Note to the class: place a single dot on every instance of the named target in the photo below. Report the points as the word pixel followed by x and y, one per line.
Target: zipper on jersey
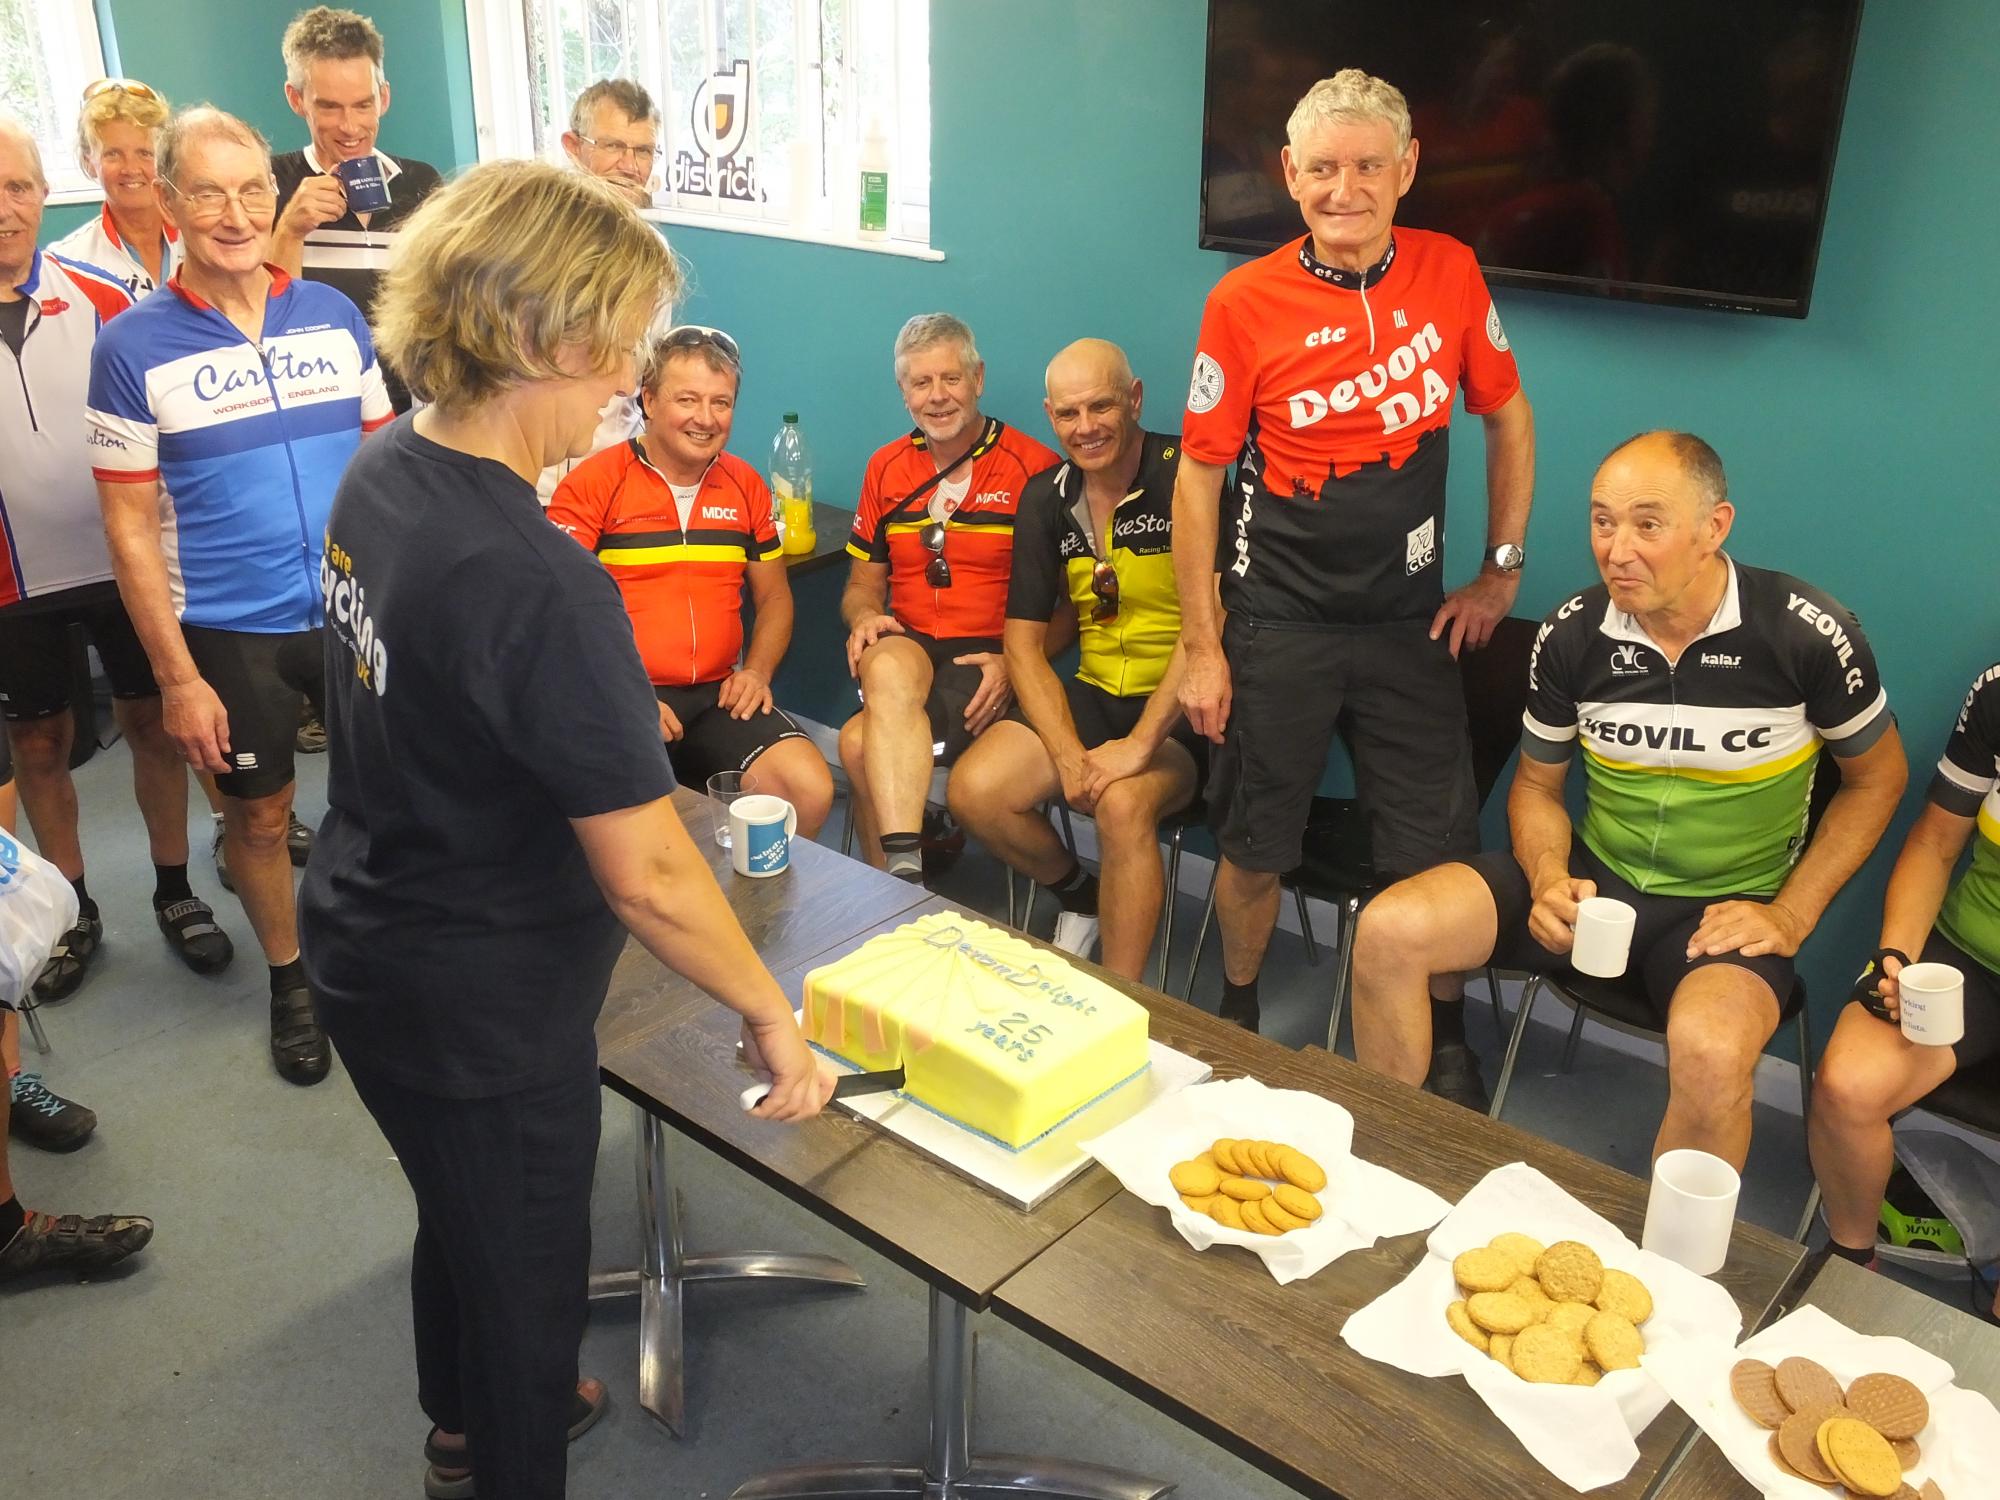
pixel 1369 311
pixel 21 362
pixel 1667 789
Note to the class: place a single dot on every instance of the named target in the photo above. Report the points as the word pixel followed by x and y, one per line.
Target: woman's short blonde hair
pixel 502 270
pixel 115 106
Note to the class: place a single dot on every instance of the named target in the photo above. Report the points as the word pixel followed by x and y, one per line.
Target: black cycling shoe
pixel 1455 1076
pixel 189 928
pixel 298 1045
pixel 298 841
pixel 72 1243
pixel 63 974
pixel 43 1118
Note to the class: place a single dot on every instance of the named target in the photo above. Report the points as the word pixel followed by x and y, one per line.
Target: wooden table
pixel 1871 1304
pixel 1211 1340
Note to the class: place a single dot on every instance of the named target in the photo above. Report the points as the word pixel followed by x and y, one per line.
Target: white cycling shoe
pixel 1075 933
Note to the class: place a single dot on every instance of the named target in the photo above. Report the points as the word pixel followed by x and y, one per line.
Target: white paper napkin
pixel 1585 1435
pixel 1363 1202
pixel 1961 1447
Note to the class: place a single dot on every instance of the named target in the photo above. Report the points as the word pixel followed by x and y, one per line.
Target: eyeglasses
pixel 1104 584
pixel 937 572
pixel 130 86
pixel 212 202
pixel 641 155
pixel 694 335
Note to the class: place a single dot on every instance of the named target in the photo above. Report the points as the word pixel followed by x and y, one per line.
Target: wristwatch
pixel 1508 557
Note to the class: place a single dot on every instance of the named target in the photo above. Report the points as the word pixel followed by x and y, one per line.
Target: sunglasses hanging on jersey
pixel 1104 584
pixel 937 572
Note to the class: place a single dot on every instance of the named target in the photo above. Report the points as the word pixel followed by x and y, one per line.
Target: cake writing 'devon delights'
pixel 994 1033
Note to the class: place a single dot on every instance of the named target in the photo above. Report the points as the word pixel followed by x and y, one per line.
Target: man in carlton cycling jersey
pixel 1870 1072
pixel 1110 741
pixel 681 525
pixel 1701 691
pixel 222 410
pixel 933 540
pixel 1326 372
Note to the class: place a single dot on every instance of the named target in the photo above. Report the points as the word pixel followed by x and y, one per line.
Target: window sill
pixel 62 198
pixel 908 249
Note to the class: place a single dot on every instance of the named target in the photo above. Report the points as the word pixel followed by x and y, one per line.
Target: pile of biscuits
pixel 1858 1440
pixel 1554 1314
pixel 1261 1186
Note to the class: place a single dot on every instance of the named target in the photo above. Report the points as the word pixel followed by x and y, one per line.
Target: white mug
pixel 760 835
pixel 1691 1210
pixel 1932 1004
pixel 1603 936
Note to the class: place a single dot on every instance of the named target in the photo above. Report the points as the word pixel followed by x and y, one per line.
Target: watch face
pixel 1507 557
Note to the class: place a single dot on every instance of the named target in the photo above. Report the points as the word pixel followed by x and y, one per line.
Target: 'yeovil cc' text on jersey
pixel 1968 783
pixel 1699 773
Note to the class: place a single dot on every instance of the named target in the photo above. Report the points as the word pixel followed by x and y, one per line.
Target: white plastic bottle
pixel 874 223
pixel 792 486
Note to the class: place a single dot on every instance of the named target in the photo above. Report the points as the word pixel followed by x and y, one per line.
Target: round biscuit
pixel 1275 1213
pixel 1893 1406
pixel 1587 1373
pixel 1860 1457
pixel 1754 1385
pixel 1501 1347
pixel 1224 1151
pixel 1258 1155
pixel 1907 1452
pixel 1500 1312
pixel 1226 1211
pixel 1546 1355
pixel 1571 1317
pixel 1523 1249
pixel 1625 1294
pixel 1297 1202
pixel 1253 1218
pixel 1300 1170
pixel 1798 1441
pixel 1194 1179
pixel 1462 1325
pixel 1803 1385
pixel 1530 1291
pixel 1483 1270
pixel 1199 1205
pixel 1245 1189
pixel 1208 1158
pixel 1570 1271
pixel 1613 1342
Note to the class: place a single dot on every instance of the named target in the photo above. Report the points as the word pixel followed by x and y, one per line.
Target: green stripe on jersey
pixel 1673 835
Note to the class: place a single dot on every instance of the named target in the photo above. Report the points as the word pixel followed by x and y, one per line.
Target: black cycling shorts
pixel 1395 697
pixel 952 687
pixel 34 650
pixel 712 741
pixel 1659 938
pixel 1101 717
pixel 261 680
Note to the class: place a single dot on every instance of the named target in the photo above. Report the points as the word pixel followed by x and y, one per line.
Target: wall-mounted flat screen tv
pixel 1678 152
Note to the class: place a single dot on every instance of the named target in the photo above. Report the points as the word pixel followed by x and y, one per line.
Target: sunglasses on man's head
pixel 694 336
pixel 937 572
pixel 130 86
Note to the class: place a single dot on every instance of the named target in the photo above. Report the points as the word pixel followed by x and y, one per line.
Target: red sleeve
pixel 865 543
pixel 1488 373
pixel 109 297
pixel 757 499
pixel 580 502
pixel 1223 391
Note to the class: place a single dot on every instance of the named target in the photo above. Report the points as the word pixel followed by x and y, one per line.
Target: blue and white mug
pixel 362 180
pixel 760 835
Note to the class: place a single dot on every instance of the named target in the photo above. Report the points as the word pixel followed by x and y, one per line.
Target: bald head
pixel 1697 464
pixel 1659 515
pixel 1088 362
pixel 1093 404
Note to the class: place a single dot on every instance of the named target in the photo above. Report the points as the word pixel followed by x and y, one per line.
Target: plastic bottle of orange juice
pixel 792 486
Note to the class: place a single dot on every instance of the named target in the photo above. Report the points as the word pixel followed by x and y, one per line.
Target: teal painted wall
pixel 1861 442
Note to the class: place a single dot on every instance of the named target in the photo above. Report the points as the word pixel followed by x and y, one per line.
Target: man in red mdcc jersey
pixel 1326 372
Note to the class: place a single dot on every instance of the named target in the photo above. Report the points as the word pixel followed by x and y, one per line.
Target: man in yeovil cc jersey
pixel 1701 692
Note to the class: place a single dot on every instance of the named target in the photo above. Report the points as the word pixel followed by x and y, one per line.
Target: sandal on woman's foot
pixel 448 1475
pixel 189 928
pixel 63 973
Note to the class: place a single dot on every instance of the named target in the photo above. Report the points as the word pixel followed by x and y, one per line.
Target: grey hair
pixel 1700 464
pixel 632 101
pixel 12 125
pixel 1351 97
pixel 928 329
pixel 324 34
pixel 198 123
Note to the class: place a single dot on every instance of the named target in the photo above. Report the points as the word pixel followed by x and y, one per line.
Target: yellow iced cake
pixel 994 1033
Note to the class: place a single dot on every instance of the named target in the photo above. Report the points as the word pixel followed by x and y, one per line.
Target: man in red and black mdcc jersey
pixel 933 550
pixel 1326 372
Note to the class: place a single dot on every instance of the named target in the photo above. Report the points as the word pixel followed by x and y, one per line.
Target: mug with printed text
pixel 362 180
pixel 760 835
pixel 1932 1004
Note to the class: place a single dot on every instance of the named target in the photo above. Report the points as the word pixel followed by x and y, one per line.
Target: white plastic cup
pixel 1603 936
pixel 1933 1004
pixel 760 835
pixel 724 787
pixel 1691 1210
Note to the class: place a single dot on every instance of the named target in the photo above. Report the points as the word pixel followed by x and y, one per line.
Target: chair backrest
pixel 1495 680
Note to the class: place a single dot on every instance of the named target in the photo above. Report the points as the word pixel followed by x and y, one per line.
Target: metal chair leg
pixel 1506 1079
pixel 1306 926
pixel 1201 933
pixel 1167 909
pixel 31 1012
pixel 1493 996
pixel 1805 1117
pixel 1812 1212
pixel 1007 872
pixel 1569 1046
pixel 1349 912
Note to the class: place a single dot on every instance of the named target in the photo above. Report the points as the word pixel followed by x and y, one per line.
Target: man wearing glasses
pixel 933 547
pixel 681 526
pixel 335 83
pixel 614 134
pixel 1110 741
pixel 222 412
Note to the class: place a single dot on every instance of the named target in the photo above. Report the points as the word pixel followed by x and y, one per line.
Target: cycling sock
pixel 1239 1003
pixel 904 855
pixel 291 976
pixel 85 907
pixel 1447 1023
pixel 1864 1257
pixel 170 884
pixel 1077 891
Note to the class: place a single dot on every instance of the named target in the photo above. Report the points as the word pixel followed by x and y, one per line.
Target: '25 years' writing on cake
pixel 993 1032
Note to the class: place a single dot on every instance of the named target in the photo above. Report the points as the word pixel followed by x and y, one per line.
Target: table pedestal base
pixel 952 1472
pixel 660 1284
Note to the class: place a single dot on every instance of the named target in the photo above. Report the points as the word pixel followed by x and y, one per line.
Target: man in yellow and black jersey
pixel 1097 531
pixel 1701 693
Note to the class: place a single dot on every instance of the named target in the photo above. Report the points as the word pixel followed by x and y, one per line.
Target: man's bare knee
pixel 41 746
pixel 261 822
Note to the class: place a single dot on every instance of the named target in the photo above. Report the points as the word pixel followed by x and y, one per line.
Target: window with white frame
pixel 52 54
pixel 769 109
